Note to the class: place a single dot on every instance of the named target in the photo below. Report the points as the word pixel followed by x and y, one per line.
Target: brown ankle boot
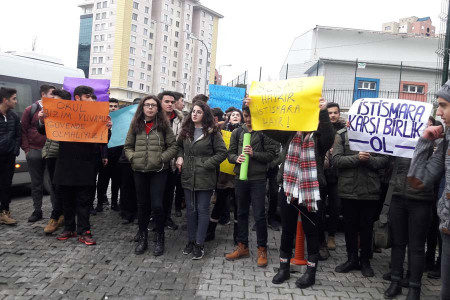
pixel 240 252
pixel 5 218
pixel 262 257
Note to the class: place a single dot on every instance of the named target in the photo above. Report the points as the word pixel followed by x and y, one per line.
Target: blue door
pixel 366 88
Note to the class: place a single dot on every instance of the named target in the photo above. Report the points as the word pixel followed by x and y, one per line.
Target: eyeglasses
pixel 148 105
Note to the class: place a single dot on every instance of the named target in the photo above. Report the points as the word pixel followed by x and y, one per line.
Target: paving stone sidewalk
pixel 37 266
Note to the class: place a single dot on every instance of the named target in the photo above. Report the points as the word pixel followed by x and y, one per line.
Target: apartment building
pixel 147 46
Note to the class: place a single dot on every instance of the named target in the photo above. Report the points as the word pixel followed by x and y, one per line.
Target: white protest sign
pixel 387 126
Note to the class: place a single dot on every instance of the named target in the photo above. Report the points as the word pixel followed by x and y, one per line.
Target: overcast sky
pixel 253 33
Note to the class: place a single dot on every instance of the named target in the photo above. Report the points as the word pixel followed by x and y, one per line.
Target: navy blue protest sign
pixel 225 96
pixel 387 126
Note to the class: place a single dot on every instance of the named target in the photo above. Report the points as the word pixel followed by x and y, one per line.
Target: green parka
pixel 150 152
pixel 357 180
pixel 202 158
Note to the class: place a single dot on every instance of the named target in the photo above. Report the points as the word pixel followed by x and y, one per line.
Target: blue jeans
pixel 254 192
pixel 197 214
pixel 445 267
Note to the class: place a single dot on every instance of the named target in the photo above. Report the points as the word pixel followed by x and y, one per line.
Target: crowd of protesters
pixel 171 155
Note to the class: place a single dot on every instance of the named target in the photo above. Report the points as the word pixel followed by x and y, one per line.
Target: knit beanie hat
pixel 444 91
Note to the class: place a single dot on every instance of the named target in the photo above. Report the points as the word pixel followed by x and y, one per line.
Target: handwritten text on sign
pixel 76 121
pixel 225 166
pixel 387 126
pixel 289 105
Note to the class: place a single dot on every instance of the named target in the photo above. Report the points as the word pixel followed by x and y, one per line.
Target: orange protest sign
pixel 76 121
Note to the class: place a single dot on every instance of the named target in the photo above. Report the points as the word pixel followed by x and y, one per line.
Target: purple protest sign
pixel 100 86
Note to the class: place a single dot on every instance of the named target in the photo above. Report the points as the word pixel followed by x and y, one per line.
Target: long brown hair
pixel 188 127
pixel 138 123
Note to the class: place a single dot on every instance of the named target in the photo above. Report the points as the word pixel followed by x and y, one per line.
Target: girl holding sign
pixel 201 149
pixel 149 146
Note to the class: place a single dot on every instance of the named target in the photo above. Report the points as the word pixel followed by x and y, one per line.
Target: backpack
pixel 261 136
pixel 33 110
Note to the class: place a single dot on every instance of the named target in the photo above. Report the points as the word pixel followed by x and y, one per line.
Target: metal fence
pixel 344 97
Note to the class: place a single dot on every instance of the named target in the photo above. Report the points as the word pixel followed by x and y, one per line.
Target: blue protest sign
pixel 121 120
pixel 225 96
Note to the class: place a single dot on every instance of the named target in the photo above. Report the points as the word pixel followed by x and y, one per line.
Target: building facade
pixel 362 63
pixel 412 25
pixel 147 46
pixel 84 40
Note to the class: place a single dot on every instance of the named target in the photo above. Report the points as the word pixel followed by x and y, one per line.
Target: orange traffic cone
pixel 299 258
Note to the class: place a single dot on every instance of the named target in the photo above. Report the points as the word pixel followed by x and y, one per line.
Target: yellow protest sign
pixel 225 166
pixel 288 105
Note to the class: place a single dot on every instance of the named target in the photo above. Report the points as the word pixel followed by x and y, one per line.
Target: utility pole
pixel 446 49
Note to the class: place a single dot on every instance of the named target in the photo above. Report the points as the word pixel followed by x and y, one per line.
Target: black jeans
pixel 169 192
pixel 272 192
pixel 334 207
pixel 76 203
pixel 7 162
pixel 57 205
pixel 110 171
pixel 36 168
pixel 98 166
pixel 289 218
pixel 359 216
pixel 150 194
pixel 179 191
pixel 251 192
pixel 128 202
pixel 222 198
pixel 409 223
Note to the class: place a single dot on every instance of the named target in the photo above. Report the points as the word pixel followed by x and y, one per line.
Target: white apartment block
pixel 147 46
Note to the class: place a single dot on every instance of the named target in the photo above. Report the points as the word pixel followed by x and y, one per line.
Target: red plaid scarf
pixel 300 172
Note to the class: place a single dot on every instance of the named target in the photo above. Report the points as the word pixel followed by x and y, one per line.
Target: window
pixel 202 33
pixel 149 57
pixel 166 38
pixel 132 50
pixel 96 38
pixel 100 60
pixel 413 89
pixel 98 16
pixel 165 49
pixel 166 18
pixel 188 7
pixel 178 14
pixel 99 5
pixel 188 16
pixel 211 18
pixel 187 27
pixel 102 48
pixel 145 31
pixel 134 17
pixel 134 28
pixel 367 85
pixel 135 5
pixel 186 66
pixel 150 46
pixel 166 7
pixel 95 48
pixel 144 53
pixel 185 76
pixel 146 21
pixel 174 64
pixel 104 26
pixel 142 76
pixel 163 70
pixel 201 51
pixel 177 33
pixel 105 4
pixel 173 83
pixel 199 70
pixel 130 73
pixel 94 60
pixel 133 39
pixel 389 28
pixel 94 71
pixel 129 95
pixel 142 64
pixel 187 46
pixel 97 27
pixel 151 35
pixel 149 67
pixel 200 61
pixel 149 77
pixel 141 86
pixel 177 23
pixel 175 53
pixel 422 27
pixel 166 28
pixel 175 44
pixel 164 59
pixel 204 14
pixel 131 62
pixel 163 80
pixel 144 43
pixel 210 27
pixel 198 89
pixel 147 9
pixel 147 89
pixel 130 84
pixel 104 15
pixel 174 74
pixel 99 71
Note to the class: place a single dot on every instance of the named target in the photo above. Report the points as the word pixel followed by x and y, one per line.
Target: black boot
pixel 413 293
pixel 366 269
pixel 159 247
pixel 211 233
pixel 137 236
pixel 142 244
pixel 284 272
pixel 309 278
pixel 351 264
pixel 436 273
pixel 393 290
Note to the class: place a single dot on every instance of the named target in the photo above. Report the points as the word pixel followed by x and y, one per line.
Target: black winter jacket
pixel 10 134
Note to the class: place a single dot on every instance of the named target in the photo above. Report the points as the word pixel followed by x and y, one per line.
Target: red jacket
pixel 31 138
